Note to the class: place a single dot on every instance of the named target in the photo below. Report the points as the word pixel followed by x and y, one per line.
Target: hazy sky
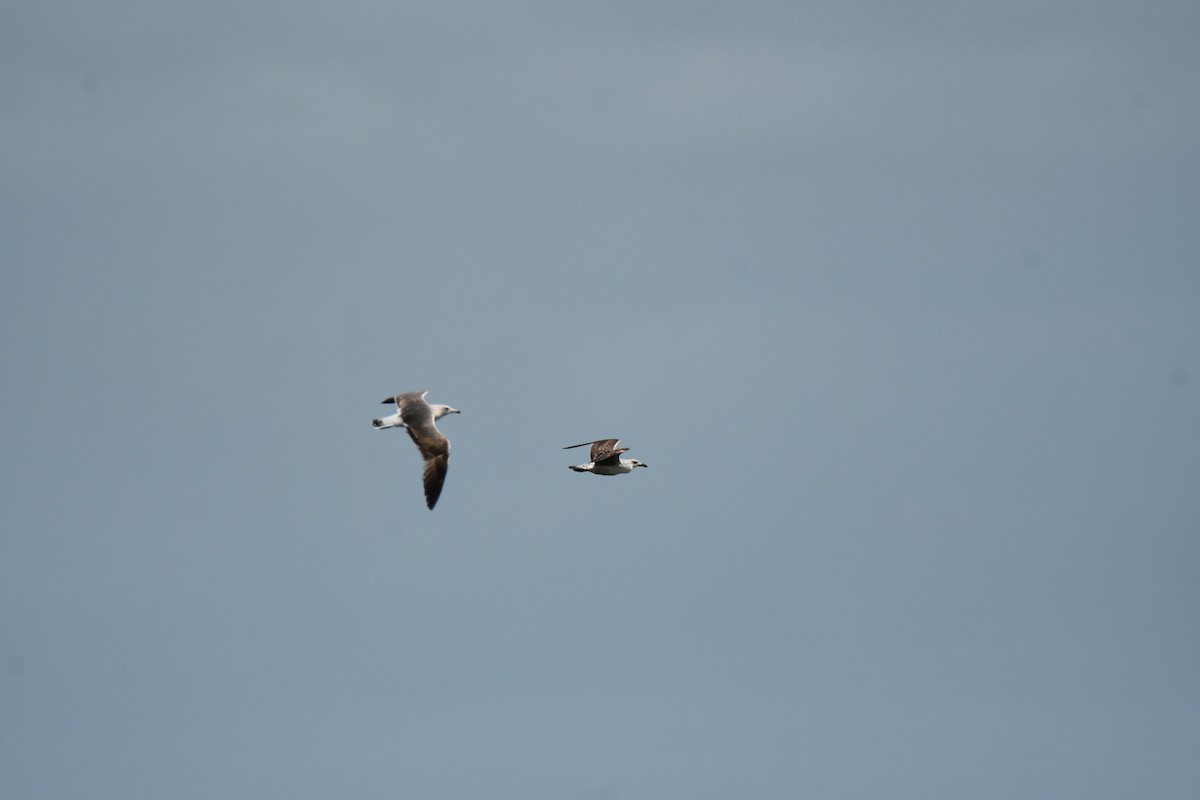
pixel 899 302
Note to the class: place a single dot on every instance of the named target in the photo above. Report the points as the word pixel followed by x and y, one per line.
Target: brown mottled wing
pixel 434 476
pixel 417 397
pixel 605 451
pixel 434 446
pixel 412 407
pixel 435 449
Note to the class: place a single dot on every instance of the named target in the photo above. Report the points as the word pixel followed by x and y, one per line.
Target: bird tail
pixel 580 468
pixel 388 422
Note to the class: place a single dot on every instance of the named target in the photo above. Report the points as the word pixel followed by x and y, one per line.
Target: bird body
pixel 418 417
pixel 606 458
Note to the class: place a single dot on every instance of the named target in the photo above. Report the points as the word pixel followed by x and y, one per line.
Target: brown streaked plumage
pixel 418 418
pixel 606 458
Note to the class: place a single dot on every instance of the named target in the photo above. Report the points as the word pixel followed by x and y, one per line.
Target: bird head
pixel 440 411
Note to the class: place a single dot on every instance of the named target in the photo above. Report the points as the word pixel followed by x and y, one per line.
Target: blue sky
pixel 900 304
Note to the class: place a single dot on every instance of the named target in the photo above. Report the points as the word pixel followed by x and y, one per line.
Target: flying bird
pixel 606 458
pixel 418 417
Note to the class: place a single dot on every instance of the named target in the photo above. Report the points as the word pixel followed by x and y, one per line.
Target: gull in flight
pixel 606 458
pixel 418 417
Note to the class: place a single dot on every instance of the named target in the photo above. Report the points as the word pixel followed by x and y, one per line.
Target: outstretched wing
pixel 606 450
pixel 435 449
pixel 601 448
pixel 433 444
pixel 433 477
pixel 416 398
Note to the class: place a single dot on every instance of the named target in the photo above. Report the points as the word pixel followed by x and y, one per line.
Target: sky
pixel 900 303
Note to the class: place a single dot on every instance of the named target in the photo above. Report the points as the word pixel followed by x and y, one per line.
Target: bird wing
pixel 613 457
pixel 435 449
pixel 402 399
pixel 434 476
pixel 413 408
pixel 602 449
pixel 433 444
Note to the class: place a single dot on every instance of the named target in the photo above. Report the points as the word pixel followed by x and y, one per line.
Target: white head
pixel 440 411
pixel 633 462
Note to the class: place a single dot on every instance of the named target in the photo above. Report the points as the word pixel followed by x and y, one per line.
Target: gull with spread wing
pixel 606 458
pixel 418 417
